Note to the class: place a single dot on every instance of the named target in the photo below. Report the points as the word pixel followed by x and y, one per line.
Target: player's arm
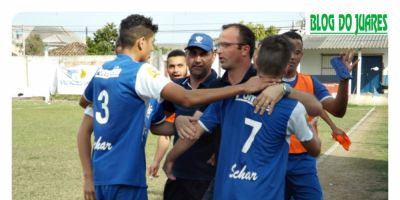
pixel 181 145
pixel 271 95
pixel 312 105
pixel 337 133
pixel 163 129
pixel 83 102
pixel 176 94
pixel 162 147
pixel 337 106
pixel 298 124
pixel 84 149
pixel 87 95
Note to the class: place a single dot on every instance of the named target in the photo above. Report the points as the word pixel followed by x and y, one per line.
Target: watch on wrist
pixel 287 89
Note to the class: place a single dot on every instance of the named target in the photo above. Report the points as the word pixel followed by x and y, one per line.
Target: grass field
pixel 44 151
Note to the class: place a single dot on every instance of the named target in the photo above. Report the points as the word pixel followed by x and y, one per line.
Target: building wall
pixel 311 61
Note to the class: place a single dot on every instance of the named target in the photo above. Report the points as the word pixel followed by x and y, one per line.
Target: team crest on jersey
pixel 153 72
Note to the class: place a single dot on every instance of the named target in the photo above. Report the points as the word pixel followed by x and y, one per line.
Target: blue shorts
pixel 120 192
pixel 301 178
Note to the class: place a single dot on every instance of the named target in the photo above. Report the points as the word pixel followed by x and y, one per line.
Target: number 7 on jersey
pixel 256 126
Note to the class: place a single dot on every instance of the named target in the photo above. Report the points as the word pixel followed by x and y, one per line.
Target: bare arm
pixel 338 106
pixel 165 128
pixel 176 94
pixel 337 134
pixel 179 148
pixel 312 105
pixel 162 147
pixel 83 102
pixel 313 146
pixel 272 94
pixel 84 149
pixel 324 115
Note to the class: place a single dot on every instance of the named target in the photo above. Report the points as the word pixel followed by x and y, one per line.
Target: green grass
pixel 45 157
pixel 353 114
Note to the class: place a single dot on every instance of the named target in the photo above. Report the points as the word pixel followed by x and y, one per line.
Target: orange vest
pixel 304 83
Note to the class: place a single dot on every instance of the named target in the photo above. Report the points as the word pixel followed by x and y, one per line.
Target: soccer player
pixel 301 179
pixel 235 50
pixel 253 151
pixel 119 93
pixel 85 131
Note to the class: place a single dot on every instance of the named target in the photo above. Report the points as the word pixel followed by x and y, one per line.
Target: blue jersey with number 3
pixel 254 148
pixel 120 92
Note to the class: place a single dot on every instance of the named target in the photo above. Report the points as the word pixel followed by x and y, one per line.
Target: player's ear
pixel 141 41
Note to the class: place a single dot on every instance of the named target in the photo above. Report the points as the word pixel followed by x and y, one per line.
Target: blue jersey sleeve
pixel 320 90
pixel 158 115
pixel 211 116
pixel 88 93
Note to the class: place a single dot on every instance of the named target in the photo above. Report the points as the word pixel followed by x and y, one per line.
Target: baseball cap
pixel 202 41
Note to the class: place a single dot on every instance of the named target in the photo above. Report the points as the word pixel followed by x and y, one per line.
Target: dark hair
pixel 274 55
pixel 247 36
pixel 293 35
pixel 134 27
pixel 176 52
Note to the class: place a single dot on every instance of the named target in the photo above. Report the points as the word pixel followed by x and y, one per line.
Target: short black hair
pixel 293 35
pixel 134 27
pixel 247 36
pixel 274 55
pixel 176 52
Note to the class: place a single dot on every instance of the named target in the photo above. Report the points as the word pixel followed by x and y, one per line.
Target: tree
pixel 163 50
pixel 260 31
pixel 34 45
pixel 271 30
pixel 104 40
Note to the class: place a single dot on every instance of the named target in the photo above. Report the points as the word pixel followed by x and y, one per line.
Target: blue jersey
pixel 254 148
pixel 120 92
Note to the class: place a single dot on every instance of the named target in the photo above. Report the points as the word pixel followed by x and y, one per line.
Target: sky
pixel 174 27
pixel 185 15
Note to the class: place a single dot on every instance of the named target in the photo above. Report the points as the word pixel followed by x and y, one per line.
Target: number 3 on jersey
pixel 103 97
pixel 256 126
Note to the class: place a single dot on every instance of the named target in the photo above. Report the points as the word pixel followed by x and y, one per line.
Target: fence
pixel 48 75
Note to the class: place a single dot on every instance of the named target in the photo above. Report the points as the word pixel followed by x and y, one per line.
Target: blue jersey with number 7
pixel 254 148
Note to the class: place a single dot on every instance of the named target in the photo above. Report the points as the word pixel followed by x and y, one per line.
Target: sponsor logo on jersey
pixel 242 174
pixel 106 74
pixel 247 98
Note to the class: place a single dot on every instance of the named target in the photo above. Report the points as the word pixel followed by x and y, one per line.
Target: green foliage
pixel 103 41
pixel 164 50
pixel 260 31
pixel 34 45
pixel 271 30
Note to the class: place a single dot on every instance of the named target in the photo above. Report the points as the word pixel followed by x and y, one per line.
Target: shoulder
pixel 217 83
pixel 181 81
